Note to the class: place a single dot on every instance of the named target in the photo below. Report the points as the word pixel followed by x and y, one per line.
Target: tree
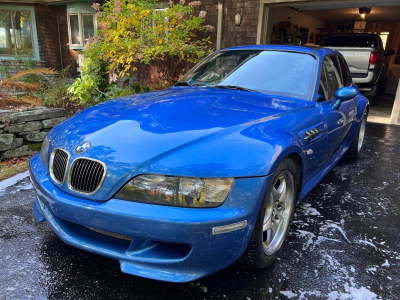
pixel 143 31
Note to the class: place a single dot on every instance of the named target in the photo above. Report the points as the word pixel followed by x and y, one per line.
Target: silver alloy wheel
pixel 277 213
pixel 361 135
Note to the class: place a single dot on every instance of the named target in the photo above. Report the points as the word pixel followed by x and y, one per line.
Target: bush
pixel 54 90
pixel 138 31
pixel 94 79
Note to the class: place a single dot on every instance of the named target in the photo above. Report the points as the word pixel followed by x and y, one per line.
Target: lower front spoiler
pixel 116 248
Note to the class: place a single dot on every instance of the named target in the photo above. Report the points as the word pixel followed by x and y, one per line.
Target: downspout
pixel 219 24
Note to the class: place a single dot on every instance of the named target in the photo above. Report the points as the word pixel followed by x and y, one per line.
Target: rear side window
pixel 345 72
pixel 332 77
pixel 335 41
pixel 351 41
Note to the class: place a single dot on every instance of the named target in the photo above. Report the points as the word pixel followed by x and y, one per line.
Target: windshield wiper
pixel 183 83
pixel 235 87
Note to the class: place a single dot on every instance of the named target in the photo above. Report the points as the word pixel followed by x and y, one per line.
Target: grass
pixel 13 167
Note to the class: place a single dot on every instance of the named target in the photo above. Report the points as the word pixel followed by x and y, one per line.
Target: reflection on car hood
pixel 131 131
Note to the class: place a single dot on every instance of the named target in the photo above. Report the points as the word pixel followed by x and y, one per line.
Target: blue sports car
pixel 180 183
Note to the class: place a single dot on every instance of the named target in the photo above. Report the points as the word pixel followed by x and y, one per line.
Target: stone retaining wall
pixel 22 133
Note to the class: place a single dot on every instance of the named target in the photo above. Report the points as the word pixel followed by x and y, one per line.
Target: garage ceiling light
pixel 363 11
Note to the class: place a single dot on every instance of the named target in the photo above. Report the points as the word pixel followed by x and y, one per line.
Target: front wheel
pixel 274 219
pixel 355 149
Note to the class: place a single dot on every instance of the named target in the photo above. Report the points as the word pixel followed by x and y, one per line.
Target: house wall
pixel 52 32
pixel 281 14
pixel 52 27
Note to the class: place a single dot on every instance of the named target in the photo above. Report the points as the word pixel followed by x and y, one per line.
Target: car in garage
pixel 366 58
pixel 180 183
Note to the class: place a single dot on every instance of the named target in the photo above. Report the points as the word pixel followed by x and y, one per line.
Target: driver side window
pixel 332 77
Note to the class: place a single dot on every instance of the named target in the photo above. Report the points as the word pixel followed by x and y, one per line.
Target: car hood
pixel 129 133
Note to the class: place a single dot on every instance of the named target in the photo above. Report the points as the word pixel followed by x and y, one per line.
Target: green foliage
pixel 5 70
pixel 88 98
pixel 112 92
pixel 138 31
pixel 54 90
pixel 26 63
pixel 93 80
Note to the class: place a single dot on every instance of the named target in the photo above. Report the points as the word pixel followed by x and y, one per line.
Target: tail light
pixel 373 59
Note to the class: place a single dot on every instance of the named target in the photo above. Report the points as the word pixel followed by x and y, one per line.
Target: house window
pixel 16 33
pixel 81 27
pixel 384 36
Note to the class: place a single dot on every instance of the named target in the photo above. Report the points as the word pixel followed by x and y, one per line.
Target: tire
pixel 355 149
pixel 264 246
pixel 372 100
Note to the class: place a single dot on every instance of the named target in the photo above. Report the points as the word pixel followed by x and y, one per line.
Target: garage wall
pixel 278 14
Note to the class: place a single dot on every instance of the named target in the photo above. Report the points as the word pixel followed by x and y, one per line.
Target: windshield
pixel 270 72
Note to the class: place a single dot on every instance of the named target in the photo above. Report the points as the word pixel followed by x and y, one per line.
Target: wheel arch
pixel 295 154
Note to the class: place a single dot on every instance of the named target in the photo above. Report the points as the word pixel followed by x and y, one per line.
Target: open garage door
pixel 311 22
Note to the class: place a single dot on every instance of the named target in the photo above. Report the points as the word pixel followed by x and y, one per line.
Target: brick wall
pixel 52 29
pixel 146 76
pixel 232 35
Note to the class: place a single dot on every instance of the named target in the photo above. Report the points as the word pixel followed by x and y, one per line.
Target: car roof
pixel 307 49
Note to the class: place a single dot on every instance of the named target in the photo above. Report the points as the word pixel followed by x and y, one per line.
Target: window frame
pixel 80 24
pixel 325 84
pixel 326 76
pixel 339 57
pixel 32 19
pixel 387 33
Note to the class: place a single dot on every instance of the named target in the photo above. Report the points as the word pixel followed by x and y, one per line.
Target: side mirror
pixel 344 94
pixel 389 52
pixel 320 98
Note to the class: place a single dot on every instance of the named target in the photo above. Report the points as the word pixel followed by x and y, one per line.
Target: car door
pixel 339 120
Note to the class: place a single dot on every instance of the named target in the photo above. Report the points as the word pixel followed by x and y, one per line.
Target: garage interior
pixel 313 21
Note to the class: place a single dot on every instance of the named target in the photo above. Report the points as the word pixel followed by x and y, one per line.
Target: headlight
pixel 177 191
pixel 44 152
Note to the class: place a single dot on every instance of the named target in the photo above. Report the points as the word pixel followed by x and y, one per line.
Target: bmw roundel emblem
pixel 82 147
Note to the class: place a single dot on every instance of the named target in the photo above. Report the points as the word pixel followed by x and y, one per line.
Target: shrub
pixel 94 79
pixel 138 31
pixel 54 90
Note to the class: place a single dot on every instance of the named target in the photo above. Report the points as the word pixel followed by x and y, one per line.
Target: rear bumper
pixel 367 80
pixel 165 243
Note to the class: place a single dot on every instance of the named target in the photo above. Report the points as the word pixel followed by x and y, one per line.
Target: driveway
pixel 344 244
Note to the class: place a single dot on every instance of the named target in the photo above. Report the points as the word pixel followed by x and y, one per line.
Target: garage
pixel 374 60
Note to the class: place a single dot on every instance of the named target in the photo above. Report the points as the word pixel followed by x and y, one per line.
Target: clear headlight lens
pixel 177 191
pixel 44 152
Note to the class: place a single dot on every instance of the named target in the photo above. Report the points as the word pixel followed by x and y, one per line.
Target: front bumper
pixel 159 242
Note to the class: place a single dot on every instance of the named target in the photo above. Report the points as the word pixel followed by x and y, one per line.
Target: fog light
pixel 229 228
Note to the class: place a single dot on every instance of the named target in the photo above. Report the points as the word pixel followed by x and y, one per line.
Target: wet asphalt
pixel 344 244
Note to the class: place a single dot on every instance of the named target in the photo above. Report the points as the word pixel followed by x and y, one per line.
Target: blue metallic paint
pixel 155 223
pixel 188 131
